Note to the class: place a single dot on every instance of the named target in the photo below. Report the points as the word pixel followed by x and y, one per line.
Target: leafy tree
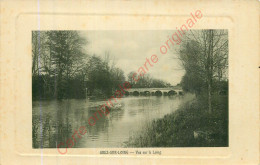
pixel 66 52
pixel 57 58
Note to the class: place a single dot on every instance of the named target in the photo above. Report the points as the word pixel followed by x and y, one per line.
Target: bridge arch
pixel 136 93
pixel 147 93
pixel 158 93
pixel 172 93
pixel 180 93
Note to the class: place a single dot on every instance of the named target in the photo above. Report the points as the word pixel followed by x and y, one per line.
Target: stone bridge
pixel 154 91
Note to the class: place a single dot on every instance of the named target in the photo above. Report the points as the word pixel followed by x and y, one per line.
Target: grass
pixel 177 129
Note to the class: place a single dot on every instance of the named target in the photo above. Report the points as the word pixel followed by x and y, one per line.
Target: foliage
pixel 61 69
pixel 146 81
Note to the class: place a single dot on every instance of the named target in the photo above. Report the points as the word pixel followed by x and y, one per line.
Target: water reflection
pixel 61 118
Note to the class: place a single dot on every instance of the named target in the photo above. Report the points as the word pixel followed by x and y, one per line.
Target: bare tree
pixel 204 54
pixel 39 49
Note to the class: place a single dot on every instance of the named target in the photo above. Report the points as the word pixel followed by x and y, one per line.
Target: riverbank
pixel 190 126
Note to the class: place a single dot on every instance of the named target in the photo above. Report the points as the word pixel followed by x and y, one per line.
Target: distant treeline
pixel 61 68
pixel 146 81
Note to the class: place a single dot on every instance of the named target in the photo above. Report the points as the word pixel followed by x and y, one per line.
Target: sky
pixel 129 49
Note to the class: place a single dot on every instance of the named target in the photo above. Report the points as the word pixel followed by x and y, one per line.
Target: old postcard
pixel 129 82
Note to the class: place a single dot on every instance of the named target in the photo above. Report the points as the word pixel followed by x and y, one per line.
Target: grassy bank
pixel 190 126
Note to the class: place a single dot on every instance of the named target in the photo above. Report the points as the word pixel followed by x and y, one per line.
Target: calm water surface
pixel 55 121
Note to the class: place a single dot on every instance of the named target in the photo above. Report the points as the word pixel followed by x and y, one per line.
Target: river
pixel 55 121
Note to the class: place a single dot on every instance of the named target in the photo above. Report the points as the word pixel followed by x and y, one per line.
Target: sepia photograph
pixel 129 82
pixel 130 88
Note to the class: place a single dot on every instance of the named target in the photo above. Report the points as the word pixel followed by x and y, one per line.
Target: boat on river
pixel 117 106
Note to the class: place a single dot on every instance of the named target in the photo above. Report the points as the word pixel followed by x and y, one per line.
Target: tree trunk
pixel 209 98
pixel 210 70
